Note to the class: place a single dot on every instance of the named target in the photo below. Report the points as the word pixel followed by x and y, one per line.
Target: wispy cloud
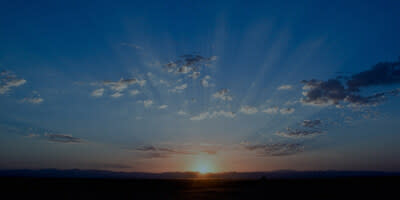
pixel 134 92
pixel 286 111
pixel 223 95
pixel 178 88
pixel 8 81
pixel 162 107
pixel 147 103
pixel 98 92
pixel 210 115
pixel 61 138
pixel 248 110
pixel 161 152
pixel 285 87
pixel 275 149
pixel 33 100
pixel 181 112
pixel 295 133
pixel 271 110
pixel 117 95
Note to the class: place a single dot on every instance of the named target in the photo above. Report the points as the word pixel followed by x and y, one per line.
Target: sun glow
pixel 203 166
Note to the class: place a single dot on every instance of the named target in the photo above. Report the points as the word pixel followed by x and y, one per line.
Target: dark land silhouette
pixel 91 184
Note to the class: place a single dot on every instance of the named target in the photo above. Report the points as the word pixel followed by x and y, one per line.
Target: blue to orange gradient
pixel 201 86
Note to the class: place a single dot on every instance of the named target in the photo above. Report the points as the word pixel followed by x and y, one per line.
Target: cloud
pixel 33 100
pixel 204 81
pixel 147 103
pixel 271 110
pixel 117 95
pixel 161 152
pixel 334 92
pixel 189 63
pixel 9 80
pixel 210 115
pixel 383 73
pixel 98 92
pixel 276 149
pixel 61 138
pixel 178 88
pixel 163 107
pixel 248 110
pixel 285 87
pixel 181 112
pixel 286 110
pixel 134 92
pixel 295 133
pixel 194 75
pixel 323 92
pixel 122 84
pixel 311 123
pixel 223 95
pixel 164 82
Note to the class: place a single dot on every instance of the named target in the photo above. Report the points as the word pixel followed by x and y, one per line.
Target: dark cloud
pixel 311 123
pixel 276 149
pixel 384 73
pixel 189 63
pixel 296 133
pixel 146 148
pixel 323 92
pixel 334 91
pixel 61 138
pixel 161 152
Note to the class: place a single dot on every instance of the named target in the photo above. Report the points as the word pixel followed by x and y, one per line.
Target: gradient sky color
pixel 189 85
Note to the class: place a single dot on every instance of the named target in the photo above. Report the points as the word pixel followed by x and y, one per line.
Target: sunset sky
pixel 206 86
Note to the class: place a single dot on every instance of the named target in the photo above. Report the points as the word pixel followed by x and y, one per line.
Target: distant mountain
pixel 284 174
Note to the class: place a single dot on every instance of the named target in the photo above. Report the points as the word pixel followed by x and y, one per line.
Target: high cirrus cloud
pixel 275 149
pixel 334 91
pixel 8 81
pixel 62 138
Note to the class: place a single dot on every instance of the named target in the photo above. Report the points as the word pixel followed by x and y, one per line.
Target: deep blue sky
pixel 107 85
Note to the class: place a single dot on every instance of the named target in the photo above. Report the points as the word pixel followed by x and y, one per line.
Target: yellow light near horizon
pixel 203 166
pixel 203 169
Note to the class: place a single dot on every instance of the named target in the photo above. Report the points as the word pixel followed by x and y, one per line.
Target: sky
pixel 210 86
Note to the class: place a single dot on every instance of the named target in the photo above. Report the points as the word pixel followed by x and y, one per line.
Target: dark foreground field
pixel 338 188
